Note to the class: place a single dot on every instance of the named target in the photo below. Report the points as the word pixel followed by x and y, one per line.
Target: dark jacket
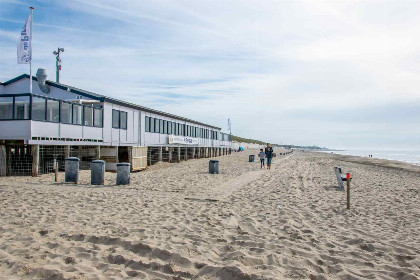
pixel 269 152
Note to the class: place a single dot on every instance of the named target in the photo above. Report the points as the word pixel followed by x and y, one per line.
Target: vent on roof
pixel 41 75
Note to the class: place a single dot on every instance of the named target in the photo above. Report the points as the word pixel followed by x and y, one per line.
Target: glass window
pixel 98 117
pixel 115 119
pixel 188 130
pixel 157 126
pixel 77 114
pixel 38 108
pixel 161 126
pixel 22 104
pixel 123 120
pixel 173 128
pixel 147 124
pixel 6 108
pixel 177 129
pixel 152 124
pixel 165 127
pixel 169 127
pixel 53 110
pixel 66 112
pixel 88 116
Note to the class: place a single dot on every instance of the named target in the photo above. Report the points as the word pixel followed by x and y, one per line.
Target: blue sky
pixel 340 74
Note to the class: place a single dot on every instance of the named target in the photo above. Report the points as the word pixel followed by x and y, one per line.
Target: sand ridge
pixel 176 221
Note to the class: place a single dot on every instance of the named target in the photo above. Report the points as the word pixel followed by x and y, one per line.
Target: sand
pixel 176 221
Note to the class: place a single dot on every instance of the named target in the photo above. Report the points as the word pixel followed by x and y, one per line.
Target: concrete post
pixel 186 153
pixel 179 154
pixel 160 154
pixel 170 154
pixel 98 152
pixel 193 152
pixel 35 160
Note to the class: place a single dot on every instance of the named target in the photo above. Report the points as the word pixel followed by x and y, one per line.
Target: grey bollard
pixel 72 170
pixel 214 166
pixel 251 158
pixel 97 172
pixel 123 173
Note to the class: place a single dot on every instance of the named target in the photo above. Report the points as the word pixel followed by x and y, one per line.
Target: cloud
pixel 283 71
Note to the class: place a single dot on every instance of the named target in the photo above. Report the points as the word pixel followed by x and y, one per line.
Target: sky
pixel 337 74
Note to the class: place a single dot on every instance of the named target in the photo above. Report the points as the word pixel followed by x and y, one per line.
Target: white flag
pixel 24 45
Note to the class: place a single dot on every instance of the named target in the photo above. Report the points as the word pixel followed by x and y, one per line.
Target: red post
pixel 348 190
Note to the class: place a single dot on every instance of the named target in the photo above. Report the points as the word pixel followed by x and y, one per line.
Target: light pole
pixel 58 63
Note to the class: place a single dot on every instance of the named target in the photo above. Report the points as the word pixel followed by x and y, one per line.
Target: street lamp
pixel 58 63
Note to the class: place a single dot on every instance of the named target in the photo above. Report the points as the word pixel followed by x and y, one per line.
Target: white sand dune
pixel 176 221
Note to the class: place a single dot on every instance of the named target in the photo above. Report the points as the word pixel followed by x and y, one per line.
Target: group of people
pixel 266 154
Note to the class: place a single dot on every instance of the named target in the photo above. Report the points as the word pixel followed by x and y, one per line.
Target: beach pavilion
pixel 57 121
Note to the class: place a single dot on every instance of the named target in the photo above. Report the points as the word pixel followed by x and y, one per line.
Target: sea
pixel 412 157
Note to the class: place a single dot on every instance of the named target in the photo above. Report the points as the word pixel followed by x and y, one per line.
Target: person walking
pixel 262 157
pixel 268 155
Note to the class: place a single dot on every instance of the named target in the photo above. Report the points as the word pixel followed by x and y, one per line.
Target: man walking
pixel 268 155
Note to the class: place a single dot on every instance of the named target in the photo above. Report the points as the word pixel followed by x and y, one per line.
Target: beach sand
pixel 176 221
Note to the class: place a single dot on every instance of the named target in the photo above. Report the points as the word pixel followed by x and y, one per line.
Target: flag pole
pixel 30 62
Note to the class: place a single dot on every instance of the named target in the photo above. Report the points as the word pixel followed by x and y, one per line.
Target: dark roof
pixel 103 98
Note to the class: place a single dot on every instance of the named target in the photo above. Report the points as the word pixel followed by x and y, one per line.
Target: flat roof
pixel 103 98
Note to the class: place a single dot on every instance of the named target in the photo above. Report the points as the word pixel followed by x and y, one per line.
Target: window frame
pixel 122 113
pixel 147 124
pixel 152 124
pixel 117 114
pixel 165 126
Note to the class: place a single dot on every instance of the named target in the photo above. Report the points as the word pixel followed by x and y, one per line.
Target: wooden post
pixel 348 191
pixel 193 152
pixel 130 157
pixel 186 153
pixel 2 160
pixel 66 152
pixel 55 170
pixel 179 155
pixel 35 160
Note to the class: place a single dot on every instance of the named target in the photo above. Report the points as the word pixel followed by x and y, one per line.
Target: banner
pixel 24 45
pixel 173 139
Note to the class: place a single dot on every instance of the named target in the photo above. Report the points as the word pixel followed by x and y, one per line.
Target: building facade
pixel 57 121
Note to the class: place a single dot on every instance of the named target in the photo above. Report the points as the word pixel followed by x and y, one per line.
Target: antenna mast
pixel 58 63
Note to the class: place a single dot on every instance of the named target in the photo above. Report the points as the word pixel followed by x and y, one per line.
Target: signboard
pixel 173 139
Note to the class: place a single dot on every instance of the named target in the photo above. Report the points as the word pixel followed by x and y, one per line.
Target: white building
pixel 57 121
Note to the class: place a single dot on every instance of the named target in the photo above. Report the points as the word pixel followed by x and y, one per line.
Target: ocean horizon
pixel 409 156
